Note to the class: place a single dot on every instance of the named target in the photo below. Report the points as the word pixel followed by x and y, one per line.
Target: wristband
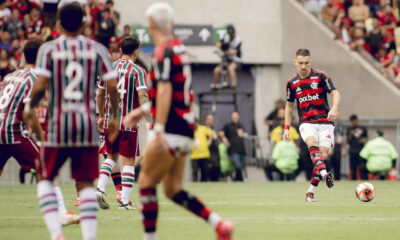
pixel 158 127
pixel 146 107
pixel 27 108
pixel 287 127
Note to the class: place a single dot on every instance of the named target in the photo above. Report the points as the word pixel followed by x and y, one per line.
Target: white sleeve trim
pixel 42 72
pixel 110 75
pixel 28 99
pixel 142 87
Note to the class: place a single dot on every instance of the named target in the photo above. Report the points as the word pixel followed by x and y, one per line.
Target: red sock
pixel 317 158
pixel 116 177
pixel 149 208
pixel 192 204
pixel 315 177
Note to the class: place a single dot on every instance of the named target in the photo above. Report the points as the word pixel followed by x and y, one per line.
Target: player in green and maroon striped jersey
pixel 132 90
pixel 69 66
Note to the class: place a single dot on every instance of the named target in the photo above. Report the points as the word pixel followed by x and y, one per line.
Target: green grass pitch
pixel 259 210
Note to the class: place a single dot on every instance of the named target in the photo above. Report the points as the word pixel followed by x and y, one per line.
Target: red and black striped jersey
pixel 132 78
pixel 171 64
pixel 14 93
pixel 72 65
pixel 311 95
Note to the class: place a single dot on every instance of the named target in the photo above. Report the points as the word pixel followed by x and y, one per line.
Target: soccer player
pixel 310 88
pixel 68 67
pixel 132 91
pixel 14 139
pixel 170 140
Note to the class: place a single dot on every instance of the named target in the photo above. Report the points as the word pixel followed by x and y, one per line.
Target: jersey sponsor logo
pixel 314 85
pixel 309 98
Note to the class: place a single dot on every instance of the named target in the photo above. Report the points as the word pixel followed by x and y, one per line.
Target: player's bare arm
pixel 100 99
pixel 143 100
pixel 288 120
pixel 113 124
pixel 29 114
pixel 163 105
pixel 334 112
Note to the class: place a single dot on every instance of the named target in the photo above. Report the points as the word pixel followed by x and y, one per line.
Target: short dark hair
pixel 380 132
pixel 303 52
pixel 110 2
pixel 71 17
pixel 353 117
pixel 129 45
pixel 31 49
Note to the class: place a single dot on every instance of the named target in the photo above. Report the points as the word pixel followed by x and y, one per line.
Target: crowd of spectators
pixel 367 26
pixel 21 20
pixel 367 159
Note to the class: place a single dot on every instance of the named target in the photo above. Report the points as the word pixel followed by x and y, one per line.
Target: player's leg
pixel 232 73
pixel 84 167
pixel 51 160
pixel 66 217
pixel 116 177
pixel 172 184
pixel 156 162
pixel 106 169
pixel 313 185
pixel 217 76
pixel 128 148
pixel 326 142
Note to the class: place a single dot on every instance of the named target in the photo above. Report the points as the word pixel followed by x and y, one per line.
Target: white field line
pixel 266 218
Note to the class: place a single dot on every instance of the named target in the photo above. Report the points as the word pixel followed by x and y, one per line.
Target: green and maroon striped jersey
pixel 72 65
pixel 15 92
pixel 132 78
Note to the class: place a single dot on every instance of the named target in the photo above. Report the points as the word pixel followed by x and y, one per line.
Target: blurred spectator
pixel 380 154
pixel 272 119
pixel 314 6
pixel 356 138
pixel 286 159
pixel 13 24
pixel 5 67
pixel 335 159
pixel 108 22
pixel 386 18
pixel 226 165
pixel 235 134
pixel 88 32
pixel 201 152
pixel 332 15
pixel 24 6
pixel 277 133
pixel 374 38
pixel 359 12
pixel 345 31
pixel 5 42
pixel 126 32
pixel 358 40
pixel 5 12
pixel 213 163
pixel 36 22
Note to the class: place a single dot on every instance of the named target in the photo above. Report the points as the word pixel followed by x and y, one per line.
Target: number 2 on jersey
pixel 70 92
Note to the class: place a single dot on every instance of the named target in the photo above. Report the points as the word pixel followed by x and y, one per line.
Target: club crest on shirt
pixel 314 85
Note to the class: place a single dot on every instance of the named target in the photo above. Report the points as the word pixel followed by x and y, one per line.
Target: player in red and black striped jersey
pixel 170 140
pixel 310 87
pixel 132 90
pixel 68 67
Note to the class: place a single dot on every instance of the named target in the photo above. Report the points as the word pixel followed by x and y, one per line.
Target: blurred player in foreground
pixel 310 88
pixel 14 139
pixel 68 67
pixel 170 140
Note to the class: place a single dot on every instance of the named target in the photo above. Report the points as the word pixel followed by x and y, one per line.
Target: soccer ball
pixel 365 192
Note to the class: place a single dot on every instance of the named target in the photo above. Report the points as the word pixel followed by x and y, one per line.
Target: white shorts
pixel 324 133
pixel 177 143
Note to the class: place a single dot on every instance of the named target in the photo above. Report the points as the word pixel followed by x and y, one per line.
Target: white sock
pixel 150 236
pixel 214 219
pixel 323 172
pixel 49 207
pixel 88 213
pixel 62 210
pixel 128 177
pixel 312 188
pixel 105 173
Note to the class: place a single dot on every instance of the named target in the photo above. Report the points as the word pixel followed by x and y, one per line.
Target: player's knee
pixel 217 70
pixel 171 191
pixel 83 184
pixel 232 67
